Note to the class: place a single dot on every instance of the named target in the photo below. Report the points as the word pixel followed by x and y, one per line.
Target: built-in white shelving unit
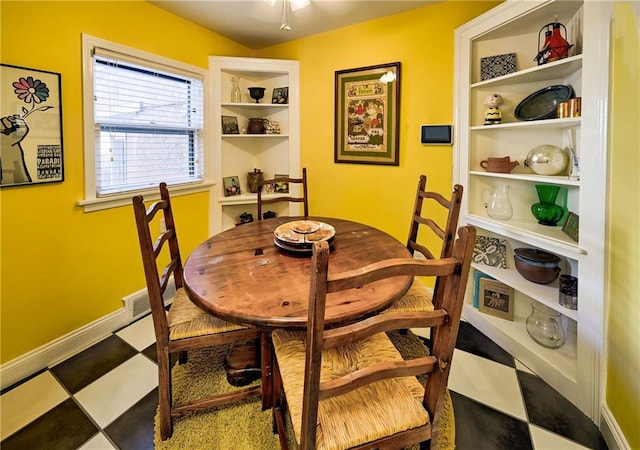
pixel 238 154
pixel 513 27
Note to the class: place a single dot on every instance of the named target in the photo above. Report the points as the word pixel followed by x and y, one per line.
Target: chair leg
pixel 164 394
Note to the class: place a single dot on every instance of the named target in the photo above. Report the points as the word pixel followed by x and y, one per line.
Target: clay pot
pixel 536 265
pixel 256 126
pixel 498 165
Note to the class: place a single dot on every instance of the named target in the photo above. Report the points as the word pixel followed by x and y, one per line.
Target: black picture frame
pixel 231 186
pixel 572 226
pixel 367 115
pixel 31 125
pixel 230 125
pixel 280 95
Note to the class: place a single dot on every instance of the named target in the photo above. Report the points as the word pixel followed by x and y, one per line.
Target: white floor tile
pixel 98 442
pixel 29 401
pixel 545 440
pixel 140 334
pixel 488 382
pixel 112 394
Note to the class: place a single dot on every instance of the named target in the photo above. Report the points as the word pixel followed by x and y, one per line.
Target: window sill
pixel 115 201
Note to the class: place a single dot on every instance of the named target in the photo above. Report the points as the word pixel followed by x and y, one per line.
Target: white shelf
pixel 250 135
pixel 513 336
pixel 246 199
pixel 562 180
pixel 255 105
pixel 552 239
pixel 557 69
pixel 547 294
pixel 571 122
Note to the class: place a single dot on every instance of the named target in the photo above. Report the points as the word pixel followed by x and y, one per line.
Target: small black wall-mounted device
pixel 436 134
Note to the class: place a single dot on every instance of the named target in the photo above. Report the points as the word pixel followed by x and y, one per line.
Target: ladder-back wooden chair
pixel 348 387
pixel 300 199
pixel 420 297
pixel 185 326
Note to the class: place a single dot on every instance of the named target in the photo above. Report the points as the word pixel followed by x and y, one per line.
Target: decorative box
pixel 497 66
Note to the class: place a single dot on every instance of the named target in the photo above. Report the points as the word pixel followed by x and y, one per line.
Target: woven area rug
pixel 243 426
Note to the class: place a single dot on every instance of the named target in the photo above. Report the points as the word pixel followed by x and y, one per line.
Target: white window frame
pixel 91 201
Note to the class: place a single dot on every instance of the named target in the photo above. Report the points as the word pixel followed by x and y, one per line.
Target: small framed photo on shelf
pixel 281 187
pixel 570 227
pixel 496 299
pixel 280 95
pixel 230 125
pixel 231 186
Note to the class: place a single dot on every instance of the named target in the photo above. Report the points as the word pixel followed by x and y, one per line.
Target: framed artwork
pixel 230 125
pixel 367 113
pixel 281 187
pixel 496 299
pixel 570 227
pixel 280 95
pixel 31 126
pixel 231 186
pixel 490 251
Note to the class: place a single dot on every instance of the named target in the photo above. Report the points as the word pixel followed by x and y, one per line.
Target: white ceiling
pixel 256 24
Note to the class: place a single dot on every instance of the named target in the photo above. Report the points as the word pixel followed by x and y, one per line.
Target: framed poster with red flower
pixel 30 126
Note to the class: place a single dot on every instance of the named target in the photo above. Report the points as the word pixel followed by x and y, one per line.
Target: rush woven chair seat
pixel 186 326
pixel 421 297
pixel 301 198
pixel 348 387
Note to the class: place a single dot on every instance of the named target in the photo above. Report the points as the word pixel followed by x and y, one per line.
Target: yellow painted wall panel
pixel 623 328
pixel 63 268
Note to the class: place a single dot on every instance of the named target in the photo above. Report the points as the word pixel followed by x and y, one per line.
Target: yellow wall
pixel 422 40
pixel 623 329
pixel 62 268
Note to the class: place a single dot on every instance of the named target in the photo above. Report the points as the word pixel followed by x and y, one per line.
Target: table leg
pixel 266 355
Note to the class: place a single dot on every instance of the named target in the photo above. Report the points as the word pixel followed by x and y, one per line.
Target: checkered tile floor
pixel 106 396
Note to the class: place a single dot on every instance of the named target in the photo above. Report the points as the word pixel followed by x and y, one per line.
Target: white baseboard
pixel 61 348
pixel 611 431
pixel 135 305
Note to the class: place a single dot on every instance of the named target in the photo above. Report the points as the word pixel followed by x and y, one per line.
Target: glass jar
pixel 236 95
pixel 497 203
pixel 544 327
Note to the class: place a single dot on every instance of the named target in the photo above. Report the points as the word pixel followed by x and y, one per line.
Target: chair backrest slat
pixel 304 198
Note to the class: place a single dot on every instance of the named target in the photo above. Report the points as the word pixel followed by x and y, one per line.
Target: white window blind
pixel 148 124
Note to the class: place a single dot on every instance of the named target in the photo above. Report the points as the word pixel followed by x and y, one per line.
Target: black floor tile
pixel 479 427
pixel 548 409
pixel 151 353
pixel 64 427
pixel 473 341
pixel 87 366
pixel 134 429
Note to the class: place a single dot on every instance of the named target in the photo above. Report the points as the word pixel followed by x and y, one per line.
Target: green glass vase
pixel 546 211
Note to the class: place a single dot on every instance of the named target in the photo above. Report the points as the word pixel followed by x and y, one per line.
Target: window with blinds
pixel 148 123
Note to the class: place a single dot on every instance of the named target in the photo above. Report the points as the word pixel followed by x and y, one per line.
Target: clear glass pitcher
pixel 497 202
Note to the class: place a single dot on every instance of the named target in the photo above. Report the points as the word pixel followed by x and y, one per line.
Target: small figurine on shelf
pixel 493 115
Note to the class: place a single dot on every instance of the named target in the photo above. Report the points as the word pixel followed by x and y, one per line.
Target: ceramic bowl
pixel 536 265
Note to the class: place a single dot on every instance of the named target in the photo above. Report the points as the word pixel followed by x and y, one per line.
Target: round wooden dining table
pixel 241 276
